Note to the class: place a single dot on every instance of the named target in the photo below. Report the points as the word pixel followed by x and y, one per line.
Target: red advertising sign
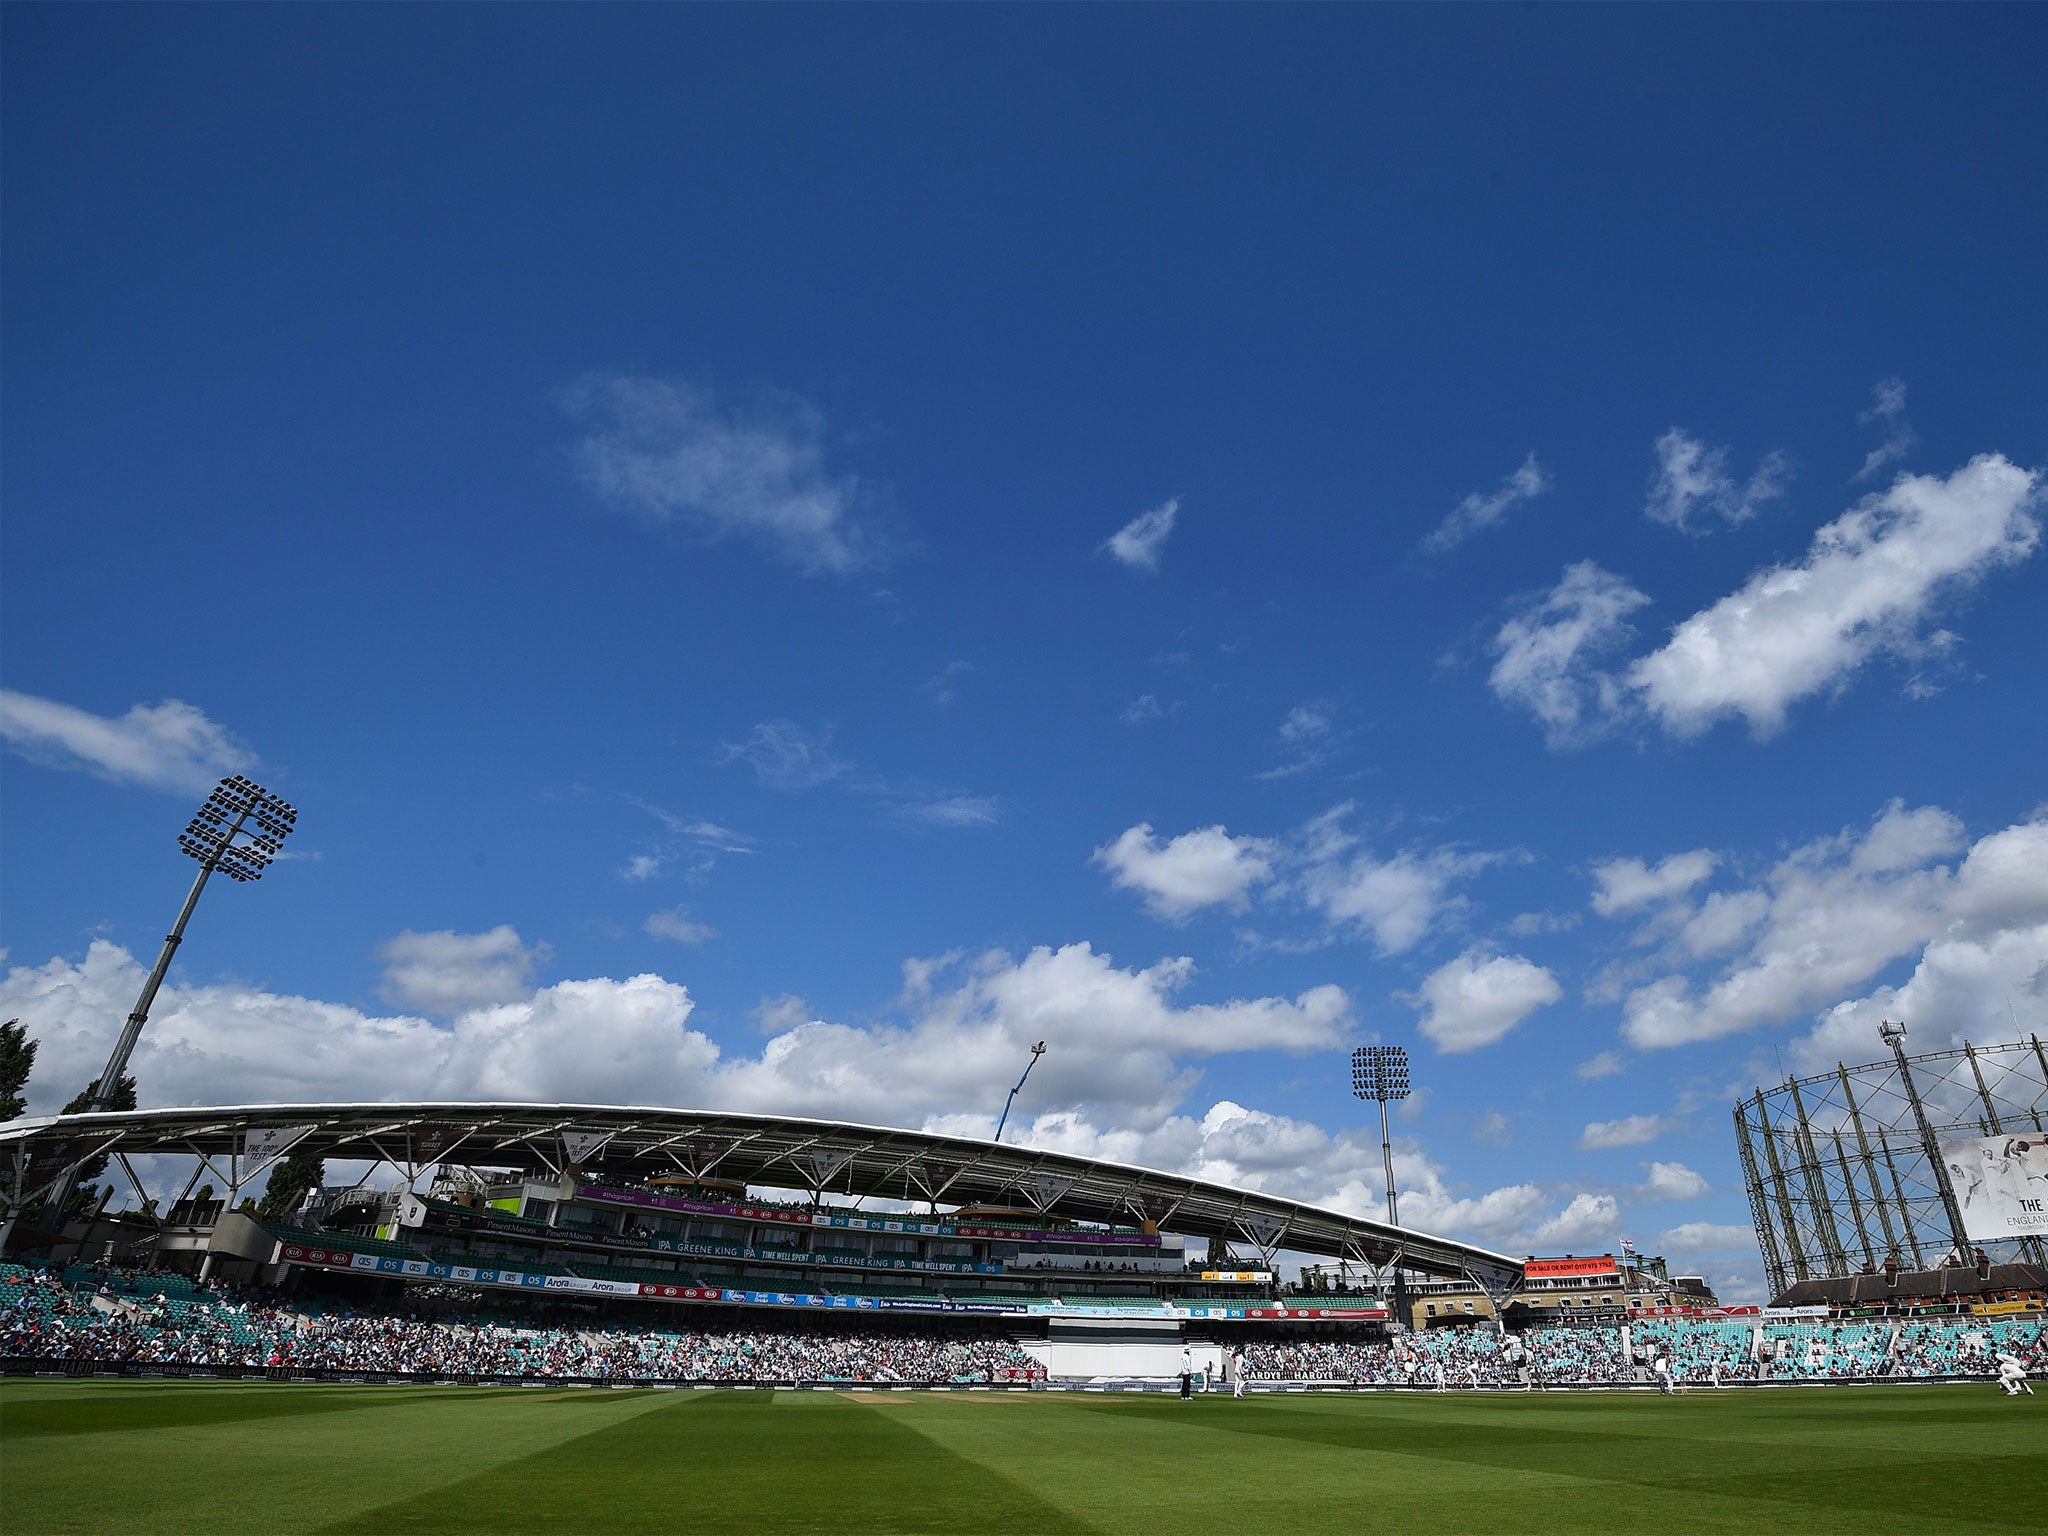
pixel 1566 1269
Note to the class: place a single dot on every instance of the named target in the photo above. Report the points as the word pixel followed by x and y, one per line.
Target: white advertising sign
pixel 261 1146
pixel 580 1144
pixel 2001 1184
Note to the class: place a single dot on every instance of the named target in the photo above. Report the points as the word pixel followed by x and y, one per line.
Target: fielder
pixel 2012 1375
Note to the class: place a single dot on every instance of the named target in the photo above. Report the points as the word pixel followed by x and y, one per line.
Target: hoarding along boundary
pixel 88 1370
pixel 1008 1379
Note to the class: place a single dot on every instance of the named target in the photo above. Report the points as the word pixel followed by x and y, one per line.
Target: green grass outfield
pixel 164 1457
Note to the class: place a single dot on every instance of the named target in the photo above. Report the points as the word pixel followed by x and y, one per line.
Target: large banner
pixel 2001 1184
pixel 1570 1269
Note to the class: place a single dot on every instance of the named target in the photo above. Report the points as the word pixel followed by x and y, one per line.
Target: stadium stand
pixel 103 1314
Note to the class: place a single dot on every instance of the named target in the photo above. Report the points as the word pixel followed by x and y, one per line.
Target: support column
pixel 1894 1035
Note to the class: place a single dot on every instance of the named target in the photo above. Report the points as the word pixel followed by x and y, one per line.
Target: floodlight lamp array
pixel 1380 1073
pixel 239 830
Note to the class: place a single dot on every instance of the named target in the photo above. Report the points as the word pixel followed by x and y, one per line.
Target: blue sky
pixel 787 553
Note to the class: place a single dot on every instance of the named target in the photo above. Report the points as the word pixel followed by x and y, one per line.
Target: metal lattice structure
pixel 1844 1169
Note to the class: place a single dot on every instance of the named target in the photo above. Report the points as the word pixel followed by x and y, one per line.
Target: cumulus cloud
pixel 1590 1221
pixel 1139 542
pixel 169 746
pixel 1476 999
pixel 1628 1131
pixel 1491 1129
pixel 1394 901
pixel 1198 869
pixel 750 467
pixel 1547 653
pixel 1121 1042
pixel 1866 586
pixel 1323 869
pixel 786 757
pixel 676 924
pixel 1692 482
pixel 1671 1181
pixel 1606 1064
pixel 1624 885
pixel 1484 509
pixel 1888 413
pixel 445 972
pixel 1836 911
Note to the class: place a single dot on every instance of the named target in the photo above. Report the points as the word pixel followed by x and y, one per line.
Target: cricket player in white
pixel 2012 1375
pixel 1661 1369
pixel 1237 1372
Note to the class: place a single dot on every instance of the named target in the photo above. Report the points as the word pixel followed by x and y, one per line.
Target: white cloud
pixel 1396 901
pixel 1120 1043
pixel 1973 988
pixel 1204 868
pixel 1697 1238
pixel 1671 1181
pixel 1526 924
pixel 1474 1000
pixel 1306 722
pixel 1865 586
pixel 1141 709
pixel 1627 884
pixel 787 757
pixel 1887 410
pixel 703 841
pixel 1479 511
pixel 1628 1131
pixel 1590 1221
pixel 1693 479
pixel 945 687
pixel 678 925
pixel 1606 1064
pixel 445 972
pixel 1723 921
pixel 751 468
pixel 170 746
pixel 1547 652
pixel 953 811
pixel 1838 910
pixel 1491 1129
pixel 1138 543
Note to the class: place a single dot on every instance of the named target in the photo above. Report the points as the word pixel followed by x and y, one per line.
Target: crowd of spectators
pixel 104 1313
pixel 42 1315
pixel 1695 1351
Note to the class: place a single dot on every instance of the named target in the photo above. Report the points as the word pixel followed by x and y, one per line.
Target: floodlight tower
pixel 1037 1051
pixel 1380 1073
pixel 238 831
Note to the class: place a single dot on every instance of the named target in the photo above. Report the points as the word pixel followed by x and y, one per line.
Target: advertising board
pixel 2001 1185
